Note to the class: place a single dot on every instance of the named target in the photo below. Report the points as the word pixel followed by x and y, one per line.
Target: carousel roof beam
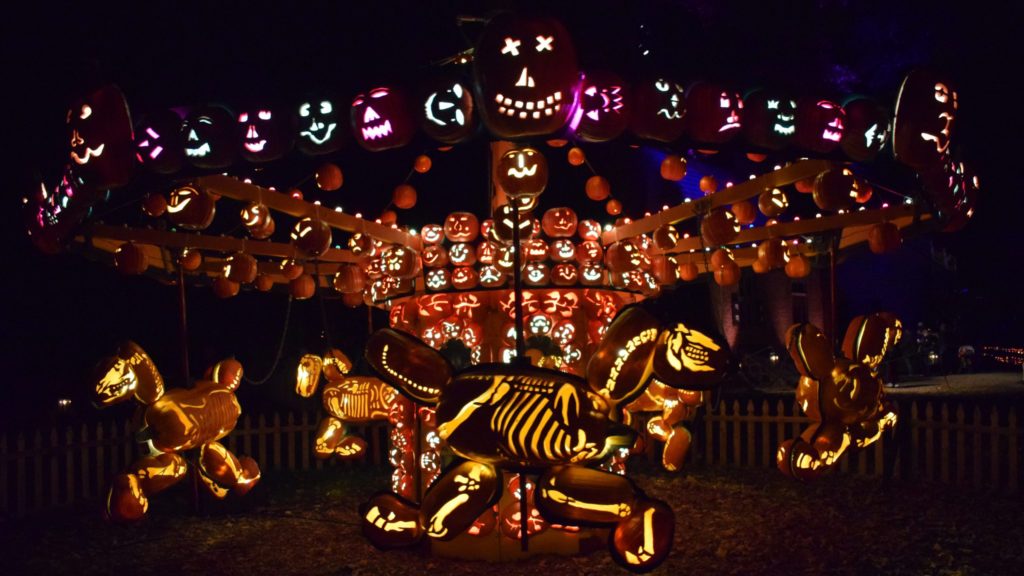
pixel 742 191
pixel 206 242
pixel 238 190
pixel 902 216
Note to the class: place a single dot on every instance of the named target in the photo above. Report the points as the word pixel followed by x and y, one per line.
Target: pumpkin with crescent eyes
pixel 100 139
pixel 318 127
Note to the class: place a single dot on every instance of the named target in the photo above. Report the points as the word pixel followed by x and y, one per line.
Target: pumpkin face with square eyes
pixel 448 113
pixel 769 119
pixel 210 136
pixel 603 113
pixel 925 118
pixel 158 142
pixel 319 127
pixel 381 119
pixel 266 135
pixel 714 113
pixel 526 74
pixel 659 107
pixel 100 139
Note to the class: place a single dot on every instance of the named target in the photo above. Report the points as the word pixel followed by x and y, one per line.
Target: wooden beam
pixel 742 191
pixel 238 190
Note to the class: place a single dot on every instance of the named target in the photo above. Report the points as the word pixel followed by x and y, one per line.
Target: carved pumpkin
pixel 381 119
pixel 522 172
pixel 769 120
pixel 598 188
pixel 819 125
pixel 461 227
pixel 673 168
pixel 349 278
pixel 713 113
pixel 258 220
pixel 154 205
pixel 562 250
pixel 291 269
pixel 505 221
pixel 884 237
pixel 666 237
pixel 589 230
pixel 265 135
pixel 603 113
pixel 492 277
pixel 307 375
pixel 311 236
pixel 719 227
pixel 464 278
pixel 559 222
pixel 745 212
pixel 432 234
pixel 772 203
pixel 264 282
pixel 158 142
pixel 447 113
pixel 130 259
pixel 240 267
pixel 437 279
pixel 798 266
pixel 613 207
pixel 389 521
pixel 659 107
pixel 319 127
pixel 727 274
pixel 462 254
pixel 536 274
pixel 925 119
pixel 644 539
pixel 211 137
pixel 190 259
pixel 564 274
pixel 590 251
pixel 836 189
pixel 772 252
pixel 435 256
pixel 526 75
pixel 329 177
pixel 191 208
pixel 401 262
pixel 720 257
pixel 99 131
pixel 867 129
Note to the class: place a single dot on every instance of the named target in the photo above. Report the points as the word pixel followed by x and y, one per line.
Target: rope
pixel 280 348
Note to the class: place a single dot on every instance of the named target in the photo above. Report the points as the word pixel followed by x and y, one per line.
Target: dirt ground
pixel 727 522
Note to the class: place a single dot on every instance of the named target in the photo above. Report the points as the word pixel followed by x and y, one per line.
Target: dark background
pixel 61 313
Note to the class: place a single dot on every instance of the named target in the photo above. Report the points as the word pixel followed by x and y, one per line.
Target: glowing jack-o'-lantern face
pixel 867 129
pixel 713 113
pixel 559 222
pixel 190 208
pixel 522 172
pixel 769 120
pixel 158 142
pixel 659 110
pixel 526 74
pixel 603 113
pixel 505 222
pixel 819 125
pixel 257 220
pixel 210 137
pixel 448 114
pixel 311 236
pixel 381 119
pixel 265 135
pixel 100 138
pixel 318 127
pixel 925 118
pixel 461 227
pixel 688 358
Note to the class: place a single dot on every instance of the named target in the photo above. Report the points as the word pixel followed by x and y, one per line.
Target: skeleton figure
pixel 173 422
pixel 842 396
pixel 526 418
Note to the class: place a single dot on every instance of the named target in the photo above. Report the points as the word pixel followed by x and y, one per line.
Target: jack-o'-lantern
pixel 953 189
pixel 99 131
pixel 536 274
pixel 435 256
pixel 264 282
pixel 772 252
pixel 925 119
pixel 836 189
pixel 720 257
pixel 191 208
pixel 658 110
pixel 719 227
pixel 798 266
pixel 349 278
pixel 713 113
pixel 526 75
pixel 644 539
pixel 564 274
pixel 311 236
pixel 362 245
pixel 448 112
pixel 663 269
pixel 613 207
pixel 462 254
pixel 328 177
pixel 258 220
pixel 769 120
pixel 559 222
pixel 562 250
pixel 437 279
pixel 603 112
pixel 624 256
pixel 772 203
pixel 666 237
pixel 265 135
pixel 673 168
pixel 210 135
pixel 689 358
pixel 401 262
pixel 884 237
pixel 588 230
pixel 590 251
pixel 486 252
pixel 240 267
pixel 190 259
pixel 820 125
pixel 381 119
pixel 598 188
pixel 492 277
pixel 593 274
pixel 505 221
pixel 867 129
pixel 130 259
pixel 744 211
pixel 158 142
pixel 464 278
pixel 522 172
pixel 291 269
pixel 307 375
pixel 728 274
pixel 535 250
pixel 461 227
pixel 319 130
pixel 154 205
pixel 432 234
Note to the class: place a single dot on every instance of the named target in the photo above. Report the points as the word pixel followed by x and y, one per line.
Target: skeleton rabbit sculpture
pixel 529 419
pixel 174 421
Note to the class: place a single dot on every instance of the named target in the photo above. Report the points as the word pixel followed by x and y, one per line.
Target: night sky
pixel 62 313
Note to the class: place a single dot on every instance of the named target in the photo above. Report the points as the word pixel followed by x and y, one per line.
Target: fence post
pixel 767 455
pixel 709 442
pixel 1011 466
pixel 277 441
pixel 994 442
pixel 976 429
pixel 915 441
pixel 929 439
pixel 100 460
pixel 780 424
pixel 944 443
pixel 304 438
pixel 247 437
pixel 751 455
pixel 37 470
pixel 83 452
pixel 69 465
pixel 737 442
pixel 54 469
pixel 723 435
pixel 261 423
pixel 20 456
pixel 291 440
pixel 5 504
pixel 961 447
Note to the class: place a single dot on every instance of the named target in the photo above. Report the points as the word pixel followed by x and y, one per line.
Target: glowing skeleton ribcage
pixel 356 401
pixel 535 418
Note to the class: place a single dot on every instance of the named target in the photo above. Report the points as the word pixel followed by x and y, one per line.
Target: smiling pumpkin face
pixel 522 172
pixel 659 110
pixel 266 135
pixel 925 118
pixel 769 119
pixel 318 127
pixel 448 113
pixel 99 132
pixel 381 119
pixel 210 137
pixel 526 74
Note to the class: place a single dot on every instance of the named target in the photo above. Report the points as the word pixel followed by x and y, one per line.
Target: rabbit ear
pixel 811 351
pixel 868 338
